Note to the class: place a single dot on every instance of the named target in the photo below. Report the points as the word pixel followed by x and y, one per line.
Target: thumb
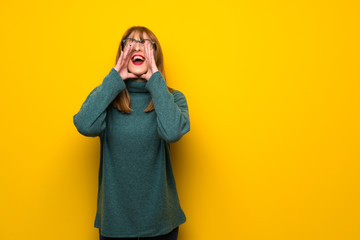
pixel 145 75
pixel 131 75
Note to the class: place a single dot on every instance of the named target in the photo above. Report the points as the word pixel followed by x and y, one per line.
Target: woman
pixel 136 117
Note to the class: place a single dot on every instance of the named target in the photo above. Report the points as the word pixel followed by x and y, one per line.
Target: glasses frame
pixel 137 41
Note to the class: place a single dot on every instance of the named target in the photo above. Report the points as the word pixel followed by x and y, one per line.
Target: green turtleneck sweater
pixel 137 194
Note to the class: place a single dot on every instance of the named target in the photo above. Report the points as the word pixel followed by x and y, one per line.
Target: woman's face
pixel 138 69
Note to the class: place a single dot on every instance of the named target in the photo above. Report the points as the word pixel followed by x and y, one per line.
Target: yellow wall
pixel 273 95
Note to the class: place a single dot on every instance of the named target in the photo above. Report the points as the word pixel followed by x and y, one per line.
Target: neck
pixel 136 86
pixel 138 79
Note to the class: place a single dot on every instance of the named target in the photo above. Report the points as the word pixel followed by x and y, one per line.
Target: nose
pixel 137 46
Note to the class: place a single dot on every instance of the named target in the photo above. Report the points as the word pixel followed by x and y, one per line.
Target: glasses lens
pixel 129 42
pixel 147 41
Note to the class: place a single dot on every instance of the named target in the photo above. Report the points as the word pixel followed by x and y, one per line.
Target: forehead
pixel 137 35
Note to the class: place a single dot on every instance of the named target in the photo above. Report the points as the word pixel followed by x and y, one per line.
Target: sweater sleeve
pixel 171 109
pixel 90 120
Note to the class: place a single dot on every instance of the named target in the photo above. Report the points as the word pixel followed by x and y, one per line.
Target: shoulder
pixel 178 94
pixel 179 97
pixel 92 91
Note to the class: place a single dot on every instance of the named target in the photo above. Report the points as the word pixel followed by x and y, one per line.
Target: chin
pixel 138 73
pixel 137 70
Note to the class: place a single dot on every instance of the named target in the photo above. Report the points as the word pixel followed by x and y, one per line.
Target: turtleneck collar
pixel 133 86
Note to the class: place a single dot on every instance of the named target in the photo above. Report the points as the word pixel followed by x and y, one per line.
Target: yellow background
pixel 273 95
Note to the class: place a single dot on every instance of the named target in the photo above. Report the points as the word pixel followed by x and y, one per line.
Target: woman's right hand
pixel 123 62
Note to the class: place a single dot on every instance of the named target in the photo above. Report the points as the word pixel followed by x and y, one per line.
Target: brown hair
pixel 122 102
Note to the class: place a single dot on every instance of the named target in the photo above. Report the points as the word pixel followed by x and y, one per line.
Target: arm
pixel 171 109
pixel 90 120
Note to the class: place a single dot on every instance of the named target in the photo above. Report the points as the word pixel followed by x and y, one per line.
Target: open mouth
pixel 138 59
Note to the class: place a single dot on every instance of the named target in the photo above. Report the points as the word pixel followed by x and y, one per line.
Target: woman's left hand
pixel 150 60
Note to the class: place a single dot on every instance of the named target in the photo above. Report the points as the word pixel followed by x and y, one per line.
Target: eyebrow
pixel 141 39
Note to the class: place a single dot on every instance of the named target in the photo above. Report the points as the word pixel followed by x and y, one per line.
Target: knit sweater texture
pixel 137 195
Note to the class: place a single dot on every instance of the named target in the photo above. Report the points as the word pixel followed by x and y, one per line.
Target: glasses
pixel 128 42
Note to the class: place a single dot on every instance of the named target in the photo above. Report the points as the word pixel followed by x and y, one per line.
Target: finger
pixel 127 49
pixel 128 54
pixel 146 49
pixel 143 76
pixel 121 59
pixel 150 50
pixel 149 47
pixel 148 53
pixel 121 55
pixel 131 75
